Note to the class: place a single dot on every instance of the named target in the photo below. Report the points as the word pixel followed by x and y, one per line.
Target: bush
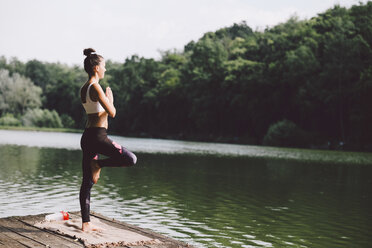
pixel 9 120
pixel 42 118
pixel 67 121
pixel 18 93
pixel 287 134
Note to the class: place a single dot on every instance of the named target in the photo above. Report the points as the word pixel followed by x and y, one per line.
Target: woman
pixel 98 106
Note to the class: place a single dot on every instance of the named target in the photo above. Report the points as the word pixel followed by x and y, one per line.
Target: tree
pixel 42 118
pixel 17 93
pixel 37 72
pixel 285 133
pixel 203 77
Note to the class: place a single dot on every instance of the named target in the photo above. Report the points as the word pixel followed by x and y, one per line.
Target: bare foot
pixel 89 227
pixel 96 170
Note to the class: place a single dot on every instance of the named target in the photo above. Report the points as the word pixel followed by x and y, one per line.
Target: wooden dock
pixel 19 231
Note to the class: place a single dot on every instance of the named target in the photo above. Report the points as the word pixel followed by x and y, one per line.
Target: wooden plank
pixel 46 239
pixel 58 238
pixel 16 235
pixel 8 242
pixel 32 219
pixel 20 232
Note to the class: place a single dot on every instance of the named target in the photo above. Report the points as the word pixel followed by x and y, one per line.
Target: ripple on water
pixel 207 204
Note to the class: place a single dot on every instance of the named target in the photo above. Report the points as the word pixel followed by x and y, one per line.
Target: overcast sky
pixel 59 30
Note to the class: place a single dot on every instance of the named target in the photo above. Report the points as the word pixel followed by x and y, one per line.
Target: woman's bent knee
pixel 134 159
pixel 129 158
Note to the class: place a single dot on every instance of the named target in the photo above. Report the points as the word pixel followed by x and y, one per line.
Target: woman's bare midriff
pixel 97 120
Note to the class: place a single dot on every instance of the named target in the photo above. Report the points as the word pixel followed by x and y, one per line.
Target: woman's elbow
pixel 112 113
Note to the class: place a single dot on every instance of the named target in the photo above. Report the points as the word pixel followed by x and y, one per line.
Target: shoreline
pixel 44 129
pixel 71 140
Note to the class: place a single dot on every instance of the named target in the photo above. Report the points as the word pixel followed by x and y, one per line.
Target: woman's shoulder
pixel 96 91
pixel 96 87
pixel 84 86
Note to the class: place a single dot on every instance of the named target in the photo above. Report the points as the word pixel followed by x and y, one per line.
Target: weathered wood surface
pixel 19 231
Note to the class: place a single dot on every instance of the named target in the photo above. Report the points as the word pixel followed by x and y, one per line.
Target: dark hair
pixel 91 60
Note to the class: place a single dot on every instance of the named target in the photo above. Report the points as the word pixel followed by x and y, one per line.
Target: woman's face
pixel 101 68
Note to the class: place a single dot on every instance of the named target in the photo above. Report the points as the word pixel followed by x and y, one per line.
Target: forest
pixel 301 83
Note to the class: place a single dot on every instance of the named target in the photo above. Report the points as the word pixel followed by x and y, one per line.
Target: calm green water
pixel 204 200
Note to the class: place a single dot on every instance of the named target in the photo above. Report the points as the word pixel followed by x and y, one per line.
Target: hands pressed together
pixel 109 95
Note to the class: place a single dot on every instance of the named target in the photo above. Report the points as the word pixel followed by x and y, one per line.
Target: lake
pixel 205 194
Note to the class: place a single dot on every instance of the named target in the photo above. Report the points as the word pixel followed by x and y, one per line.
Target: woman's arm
pixel 106 100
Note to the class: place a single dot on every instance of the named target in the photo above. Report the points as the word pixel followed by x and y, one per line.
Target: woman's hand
pixel 106 99
pixel 109 95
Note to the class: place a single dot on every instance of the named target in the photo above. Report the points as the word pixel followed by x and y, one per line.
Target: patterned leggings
pixel 93 142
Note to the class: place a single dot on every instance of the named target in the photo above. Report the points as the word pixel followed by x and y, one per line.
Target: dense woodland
pixel 302 83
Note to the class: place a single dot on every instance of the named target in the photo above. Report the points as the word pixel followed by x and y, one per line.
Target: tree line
pixel 301 83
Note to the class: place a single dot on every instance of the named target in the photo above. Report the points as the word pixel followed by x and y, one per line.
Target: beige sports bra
pixel 90 106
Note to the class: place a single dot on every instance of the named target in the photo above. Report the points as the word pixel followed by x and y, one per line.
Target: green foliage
pixel 42 118
pixel 285 133
pixel 9 120
pixel 13 65
pixel 38 73
pixel 17 93
pixel 230 85
pixel 67 121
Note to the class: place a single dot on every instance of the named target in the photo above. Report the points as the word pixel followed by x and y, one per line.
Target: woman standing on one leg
pixel 98 106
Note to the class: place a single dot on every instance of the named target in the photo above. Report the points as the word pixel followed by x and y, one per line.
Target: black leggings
pixel 93 142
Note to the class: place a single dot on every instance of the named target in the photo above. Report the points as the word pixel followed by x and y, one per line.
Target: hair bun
pixel 89 51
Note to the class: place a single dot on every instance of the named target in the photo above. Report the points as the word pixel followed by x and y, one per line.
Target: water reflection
pixel 204 200
pixel 141 145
